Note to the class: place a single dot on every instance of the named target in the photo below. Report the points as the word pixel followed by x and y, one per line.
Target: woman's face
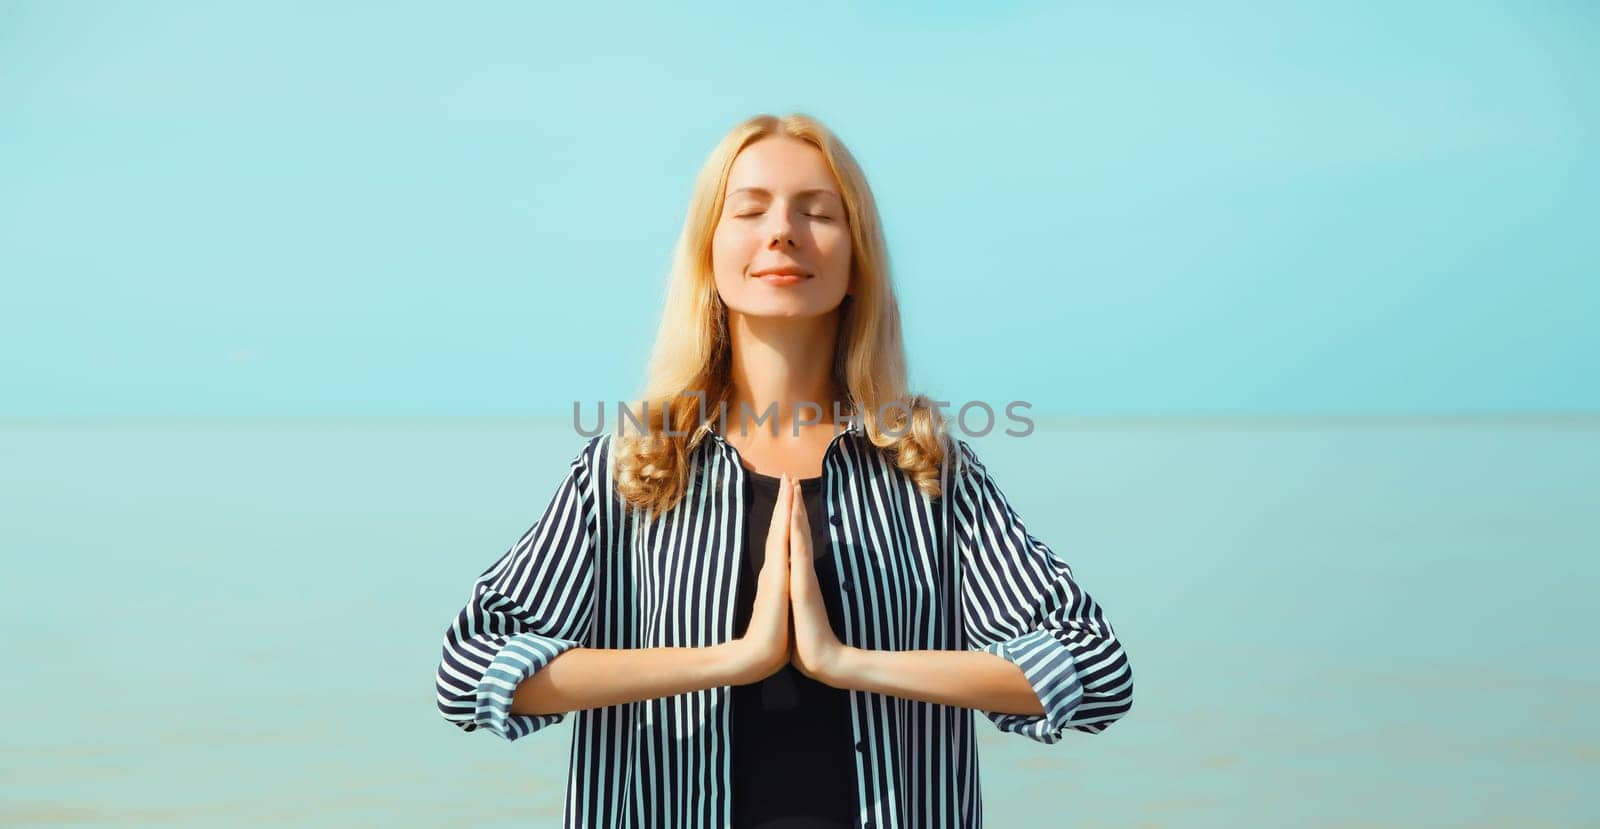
pixel 782 212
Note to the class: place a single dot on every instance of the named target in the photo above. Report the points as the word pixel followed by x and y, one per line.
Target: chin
pixel 794 310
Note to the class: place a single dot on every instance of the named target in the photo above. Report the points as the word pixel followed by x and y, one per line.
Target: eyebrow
pixel 762 191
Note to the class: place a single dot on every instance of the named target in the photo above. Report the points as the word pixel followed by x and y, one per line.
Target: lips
pixel 783 271
pixel 782 279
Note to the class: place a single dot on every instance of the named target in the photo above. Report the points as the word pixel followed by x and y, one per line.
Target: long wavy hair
pixel 692 357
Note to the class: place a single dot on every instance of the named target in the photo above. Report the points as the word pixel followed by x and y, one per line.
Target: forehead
pixel 781 164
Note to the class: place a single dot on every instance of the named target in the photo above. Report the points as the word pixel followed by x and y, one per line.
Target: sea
pixel 1342 621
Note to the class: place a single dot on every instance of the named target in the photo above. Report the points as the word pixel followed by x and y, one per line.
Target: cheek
pixel 731 251
pixel 835 246
pixel 731 246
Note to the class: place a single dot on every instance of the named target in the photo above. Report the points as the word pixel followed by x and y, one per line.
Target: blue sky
pixel 391 209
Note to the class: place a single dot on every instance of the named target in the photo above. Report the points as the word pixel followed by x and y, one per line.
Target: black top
pixel 793 759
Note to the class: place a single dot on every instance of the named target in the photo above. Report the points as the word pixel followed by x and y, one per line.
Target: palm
pixel 815 647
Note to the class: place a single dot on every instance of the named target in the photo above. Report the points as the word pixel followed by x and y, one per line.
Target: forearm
pixel 967 679
pixel 597 677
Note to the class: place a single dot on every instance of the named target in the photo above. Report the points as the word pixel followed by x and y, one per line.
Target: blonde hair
pixel 692 354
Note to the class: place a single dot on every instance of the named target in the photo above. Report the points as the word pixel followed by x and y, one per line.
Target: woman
pixel 776 599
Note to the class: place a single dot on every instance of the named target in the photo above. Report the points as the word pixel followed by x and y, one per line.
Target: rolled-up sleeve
pixel 1020 602
pixel 535 602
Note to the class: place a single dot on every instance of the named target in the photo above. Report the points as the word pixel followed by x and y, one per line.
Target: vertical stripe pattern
pixel 958 572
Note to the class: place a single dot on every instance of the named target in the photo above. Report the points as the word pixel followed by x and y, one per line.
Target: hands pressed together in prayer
pixel 789 622
pixel 789 625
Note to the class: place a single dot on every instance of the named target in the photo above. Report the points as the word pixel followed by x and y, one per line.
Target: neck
pixel 782 364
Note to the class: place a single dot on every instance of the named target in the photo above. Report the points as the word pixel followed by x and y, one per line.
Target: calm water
pixel 1332 623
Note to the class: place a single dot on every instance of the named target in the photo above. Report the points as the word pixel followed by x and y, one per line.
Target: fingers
pixel 778 532
pixel 785 496
pixel 799 526
pixel 803 587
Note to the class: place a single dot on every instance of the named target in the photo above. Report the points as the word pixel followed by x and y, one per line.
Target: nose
pixel 780 233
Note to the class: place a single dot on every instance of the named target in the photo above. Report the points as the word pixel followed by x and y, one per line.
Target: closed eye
pixel 758 213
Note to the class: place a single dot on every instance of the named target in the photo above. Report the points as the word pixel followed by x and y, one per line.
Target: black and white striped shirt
pixel 955 572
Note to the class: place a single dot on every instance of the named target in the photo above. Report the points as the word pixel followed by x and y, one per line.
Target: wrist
pixel 725 663
pixel 850 669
